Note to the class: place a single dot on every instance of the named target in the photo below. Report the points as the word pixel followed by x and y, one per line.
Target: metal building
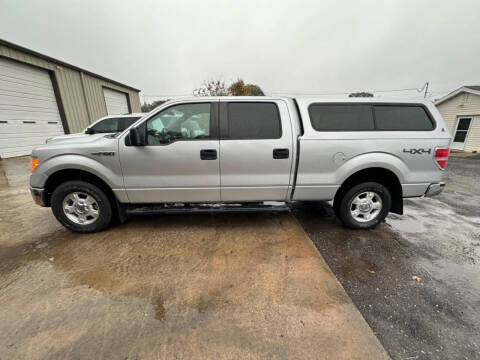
pixel 41 97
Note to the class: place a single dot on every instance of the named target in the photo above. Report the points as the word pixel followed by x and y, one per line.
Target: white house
pixel 461 111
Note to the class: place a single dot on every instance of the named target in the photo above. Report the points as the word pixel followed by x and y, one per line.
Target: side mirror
pixel 89 131
pixel 134 137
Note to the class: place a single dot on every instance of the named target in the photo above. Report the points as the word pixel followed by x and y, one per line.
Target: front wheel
pixel 81 207
pixel 364 206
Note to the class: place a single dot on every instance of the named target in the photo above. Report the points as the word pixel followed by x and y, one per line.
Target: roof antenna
pixel 424 87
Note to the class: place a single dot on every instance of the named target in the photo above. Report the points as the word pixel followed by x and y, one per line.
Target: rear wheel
pixel 81 206
pixel 364 206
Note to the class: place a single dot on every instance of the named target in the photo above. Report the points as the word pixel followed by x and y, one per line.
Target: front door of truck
pixel 179 161
pixel 255 150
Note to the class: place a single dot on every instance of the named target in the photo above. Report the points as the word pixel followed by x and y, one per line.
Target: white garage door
pixel 116 102
pixel 28 108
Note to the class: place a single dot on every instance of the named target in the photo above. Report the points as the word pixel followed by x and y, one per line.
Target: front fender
pixel 107 169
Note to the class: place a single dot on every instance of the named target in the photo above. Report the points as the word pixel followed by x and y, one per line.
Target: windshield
pixel 114 125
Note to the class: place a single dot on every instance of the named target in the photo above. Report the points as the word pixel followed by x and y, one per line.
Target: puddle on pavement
pixel 405 223
pixel 447 242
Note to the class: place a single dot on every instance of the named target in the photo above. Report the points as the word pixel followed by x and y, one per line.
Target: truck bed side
pixel 328 158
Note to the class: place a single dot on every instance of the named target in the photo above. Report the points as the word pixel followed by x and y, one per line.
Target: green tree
pixel 253 90
pixel 212 88
pixel 237 88
pixel 149 107
pixel 361 94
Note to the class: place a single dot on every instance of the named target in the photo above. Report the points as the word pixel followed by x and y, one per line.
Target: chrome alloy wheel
pixel 366 206
pixel 81 208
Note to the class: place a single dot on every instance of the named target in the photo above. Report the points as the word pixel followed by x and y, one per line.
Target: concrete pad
pixel 194 286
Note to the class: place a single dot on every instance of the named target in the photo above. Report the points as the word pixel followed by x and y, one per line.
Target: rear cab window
pixel 341 117
pixel 402 118
pixel 250 120
pixel 370 117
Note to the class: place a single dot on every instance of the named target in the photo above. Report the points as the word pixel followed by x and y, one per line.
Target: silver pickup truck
pixel 242 154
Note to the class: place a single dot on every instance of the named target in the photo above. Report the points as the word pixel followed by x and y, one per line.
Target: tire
pixel 336 206
pixel 359 209
pixel 83 214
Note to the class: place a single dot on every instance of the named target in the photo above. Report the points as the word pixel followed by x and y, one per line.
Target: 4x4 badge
pixel 418 151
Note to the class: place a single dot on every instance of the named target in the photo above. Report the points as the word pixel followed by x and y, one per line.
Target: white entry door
pixel 28 108
pixel 461 133
pixel 116 102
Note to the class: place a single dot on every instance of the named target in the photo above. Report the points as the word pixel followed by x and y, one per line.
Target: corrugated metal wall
pixel 94 92
pixel 69 82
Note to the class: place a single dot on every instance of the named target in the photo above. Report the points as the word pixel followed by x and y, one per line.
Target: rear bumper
pixel 38 196
pixel 435 189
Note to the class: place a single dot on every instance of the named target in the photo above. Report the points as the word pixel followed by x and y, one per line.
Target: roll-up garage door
pixel 28 108
pixel 116 102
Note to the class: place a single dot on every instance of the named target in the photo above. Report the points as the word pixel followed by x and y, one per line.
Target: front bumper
pixel 435 189
pixel 38 196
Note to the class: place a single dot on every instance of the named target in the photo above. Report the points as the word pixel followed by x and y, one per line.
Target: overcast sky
pixel 167 48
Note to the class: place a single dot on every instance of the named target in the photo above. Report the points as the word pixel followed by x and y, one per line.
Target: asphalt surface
pixel 243 286
pixel 437 240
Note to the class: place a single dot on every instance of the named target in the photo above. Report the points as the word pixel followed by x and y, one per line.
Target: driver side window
pixel 179 122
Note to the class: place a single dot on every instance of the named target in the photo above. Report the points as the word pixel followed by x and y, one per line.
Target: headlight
pixel 34 163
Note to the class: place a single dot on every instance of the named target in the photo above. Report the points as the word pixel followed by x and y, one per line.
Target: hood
pixel 64 137
pixel 74 140
pixel 79 137
pixel 78 144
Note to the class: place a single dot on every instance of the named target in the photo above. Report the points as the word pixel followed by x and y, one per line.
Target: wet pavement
pixel 437 240
pixel 249 286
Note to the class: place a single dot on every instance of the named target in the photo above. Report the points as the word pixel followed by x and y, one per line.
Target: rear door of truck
pixel 256 150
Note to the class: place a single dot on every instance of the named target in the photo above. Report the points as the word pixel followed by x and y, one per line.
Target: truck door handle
pixel 281 153
pixel 208 154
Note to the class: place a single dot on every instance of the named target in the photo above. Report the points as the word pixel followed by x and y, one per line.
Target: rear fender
pixel 372 160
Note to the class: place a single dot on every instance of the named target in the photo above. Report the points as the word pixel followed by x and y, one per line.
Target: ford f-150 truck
pixel 242 153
